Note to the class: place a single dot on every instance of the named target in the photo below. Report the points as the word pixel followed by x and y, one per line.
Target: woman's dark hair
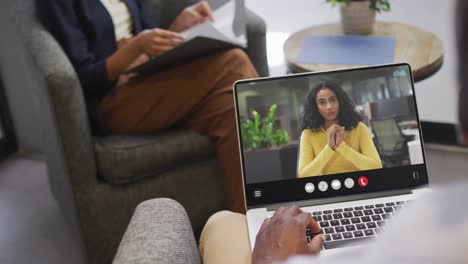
pixel 311 117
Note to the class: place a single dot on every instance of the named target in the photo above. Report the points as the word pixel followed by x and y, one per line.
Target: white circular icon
pixel 309 187
pixel 336 185
pixel 323 186
pixel 349 183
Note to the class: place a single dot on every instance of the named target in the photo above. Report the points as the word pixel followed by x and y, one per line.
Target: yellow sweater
pixel 357 152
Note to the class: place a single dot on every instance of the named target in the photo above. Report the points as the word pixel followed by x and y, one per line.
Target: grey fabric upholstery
pixel 256 38
pixel 125 159
pixel 159 232
pixel 94 181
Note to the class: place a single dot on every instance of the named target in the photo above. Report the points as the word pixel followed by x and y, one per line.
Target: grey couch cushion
pixel 124 159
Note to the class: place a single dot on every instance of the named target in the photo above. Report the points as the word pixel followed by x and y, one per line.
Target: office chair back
pixel 388 134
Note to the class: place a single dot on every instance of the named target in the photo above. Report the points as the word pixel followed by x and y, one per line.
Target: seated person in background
pixel 103 38
pixel 334 140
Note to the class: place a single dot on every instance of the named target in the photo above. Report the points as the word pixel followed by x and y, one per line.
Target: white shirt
pixel 433 229
pixel 121 18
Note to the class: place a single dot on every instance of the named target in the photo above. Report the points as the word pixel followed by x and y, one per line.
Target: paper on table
pixel 347 50
pixel 221 28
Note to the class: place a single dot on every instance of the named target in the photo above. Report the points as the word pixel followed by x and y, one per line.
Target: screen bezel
pixel 291 190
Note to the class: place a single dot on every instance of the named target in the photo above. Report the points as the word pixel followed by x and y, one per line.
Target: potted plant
pixel 258 134
pixel 358 16
pixel 262 146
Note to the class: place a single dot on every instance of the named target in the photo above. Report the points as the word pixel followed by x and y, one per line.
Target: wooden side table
pixel 421 49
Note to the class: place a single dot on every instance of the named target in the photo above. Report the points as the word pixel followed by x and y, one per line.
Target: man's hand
pixel 191 16
pixel 125 78
pixel 284 235
pixel 156 41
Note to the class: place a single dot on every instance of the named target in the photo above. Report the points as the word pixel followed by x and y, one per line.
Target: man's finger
pixel 308 221
pixel 196 17
pixel 292 211
pixel 204 9
pixel 168 34
pixel 156 50
pixel 165 41
pixel 264 224
pixel 278 212
pixel 316 245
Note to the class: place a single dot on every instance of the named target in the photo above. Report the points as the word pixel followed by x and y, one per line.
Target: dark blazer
pixel 86 33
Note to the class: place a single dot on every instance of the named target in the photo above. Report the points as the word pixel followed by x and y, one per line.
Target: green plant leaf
pixel 386 7
pixel 258 133
pixel 256 124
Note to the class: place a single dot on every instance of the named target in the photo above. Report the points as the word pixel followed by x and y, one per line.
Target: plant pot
pixel 264 165
pixel 357 18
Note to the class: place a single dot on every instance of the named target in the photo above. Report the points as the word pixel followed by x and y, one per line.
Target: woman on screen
pixel 334 140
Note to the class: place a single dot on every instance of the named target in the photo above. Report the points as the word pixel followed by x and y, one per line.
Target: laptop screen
pixel 328 134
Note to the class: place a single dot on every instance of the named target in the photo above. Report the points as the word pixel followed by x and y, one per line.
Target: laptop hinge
pixel 340 199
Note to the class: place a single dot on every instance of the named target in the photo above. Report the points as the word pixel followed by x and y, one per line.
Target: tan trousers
pixel 225 239
pixel 196 95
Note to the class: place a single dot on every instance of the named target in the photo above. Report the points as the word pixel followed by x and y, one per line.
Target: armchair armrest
pixel 159 232
pixel 256 39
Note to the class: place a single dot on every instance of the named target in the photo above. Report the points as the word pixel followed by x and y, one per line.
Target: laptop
pixel 352 186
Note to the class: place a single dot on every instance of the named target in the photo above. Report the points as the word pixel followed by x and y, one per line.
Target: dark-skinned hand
pixel 284 235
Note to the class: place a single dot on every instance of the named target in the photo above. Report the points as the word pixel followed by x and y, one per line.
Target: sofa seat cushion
pixel 124 159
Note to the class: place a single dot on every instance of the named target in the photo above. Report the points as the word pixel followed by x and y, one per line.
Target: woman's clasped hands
pixel 335 135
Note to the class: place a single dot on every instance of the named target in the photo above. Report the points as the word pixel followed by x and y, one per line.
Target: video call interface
pixel 328 124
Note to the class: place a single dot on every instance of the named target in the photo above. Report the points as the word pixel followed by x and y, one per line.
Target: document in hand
pixel 207 37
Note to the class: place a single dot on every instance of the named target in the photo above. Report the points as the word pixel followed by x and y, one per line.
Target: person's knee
pixel 225 226
pixel 242 63
pixel 222 220
pixel 219 220
pixel 228 119
pixel 220 216
pixel 238 54
pixel 236 57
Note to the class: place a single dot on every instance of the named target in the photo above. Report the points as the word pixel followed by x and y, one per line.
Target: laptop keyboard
pixel 354 224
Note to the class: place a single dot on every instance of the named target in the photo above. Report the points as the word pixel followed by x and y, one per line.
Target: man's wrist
pixel 175 25
pixel 138 43
pixel 261 260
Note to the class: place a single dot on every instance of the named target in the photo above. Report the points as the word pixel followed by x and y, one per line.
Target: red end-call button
pixel 363 181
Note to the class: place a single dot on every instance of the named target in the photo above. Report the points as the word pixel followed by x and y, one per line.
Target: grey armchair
pixel 159 232
pixel 98 181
